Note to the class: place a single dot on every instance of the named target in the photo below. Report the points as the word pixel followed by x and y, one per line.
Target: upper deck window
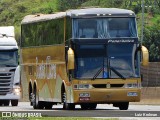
pixel 104 28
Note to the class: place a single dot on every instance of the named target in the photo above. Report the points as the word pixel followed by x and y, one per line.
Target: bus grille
pixel 6 82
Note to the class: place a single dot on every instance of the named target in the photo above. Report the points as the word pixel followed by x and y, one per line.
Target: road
pixel 103 110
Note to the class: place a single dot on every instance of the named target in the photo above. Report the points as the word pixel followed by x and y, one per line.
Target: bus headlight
pixel 82 86
pixel 131 85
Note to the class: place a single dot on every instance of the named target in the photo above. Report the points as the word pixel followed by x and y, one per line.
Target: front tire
pixel 14 102
pixel 67 106
pixel 124 106
pixel 6 102
pixel 88 106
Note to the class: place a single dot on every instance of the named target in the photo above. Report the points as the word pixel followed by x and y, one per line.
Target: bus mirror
pixel 145 56
pixel 70 59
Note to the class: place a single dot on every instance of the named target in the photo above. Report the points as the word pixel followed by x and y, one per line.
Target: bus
pixel 82 57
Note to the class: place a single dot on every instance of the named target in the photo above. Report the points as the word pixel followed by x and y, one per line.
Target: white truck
pixel 10 90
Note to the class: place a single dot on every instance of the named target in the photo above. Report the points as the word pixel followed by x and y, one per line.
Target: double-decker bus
pixel 82 57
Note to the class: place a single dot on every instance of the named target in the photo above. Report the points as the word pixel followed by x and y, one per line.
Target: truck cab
pixel 9 68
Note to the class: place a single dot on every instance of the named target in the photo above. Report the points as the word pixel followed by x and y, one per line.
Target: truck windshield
pixel 104 28
pixel 8 58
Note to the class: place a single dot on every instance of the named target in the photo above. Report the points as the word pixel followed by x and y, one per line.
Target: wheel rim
pixel 35 100
pixel 64 100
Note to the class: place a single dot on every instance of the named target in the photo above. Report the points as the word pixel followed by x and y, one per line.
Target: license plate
pixel 132 94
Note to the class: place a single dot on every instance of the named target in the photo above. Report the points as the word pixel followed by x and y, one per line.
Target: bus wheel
pixel 36 103
pixel 86 106
pixel 67 106
pixel 48 105
pixel 124 106
pixel 92 106
pixel 14 102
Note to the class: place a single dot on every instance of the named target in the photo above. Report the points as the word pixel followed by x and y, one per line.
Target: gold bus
pixel 82 57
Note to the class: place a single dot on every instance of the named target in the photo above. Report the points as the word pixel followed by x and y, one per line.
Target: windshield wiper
pixel 111 68
pixel 97 73
pixel 117 73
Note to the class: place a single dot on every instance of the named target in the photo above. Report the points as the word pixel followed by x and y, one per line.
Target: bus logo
pixel 108 85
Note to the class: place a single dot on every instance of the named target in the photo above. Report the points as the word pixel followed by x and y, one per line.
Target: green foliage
pixel 152 41
pixel 63 5
pixel 104 3
pixel 13 11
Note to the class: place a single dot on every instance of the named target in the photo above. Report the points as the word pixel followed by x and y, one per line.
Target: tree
pixel 63 5
pixel 152 41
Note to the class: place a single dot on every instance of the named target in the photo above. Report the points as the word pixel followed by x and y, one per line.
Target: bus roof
pixel 78 13
pixel 42 17
pixel 101 12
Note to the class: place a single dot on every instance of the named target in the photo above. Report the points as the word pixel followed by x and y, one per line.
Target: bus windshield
pixel 95 59
pixel 104 28
pixel 112 61
pixel 8 58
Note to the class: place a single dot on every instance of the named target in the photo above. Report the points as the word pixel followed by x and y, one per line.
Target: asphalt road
pixel 103 110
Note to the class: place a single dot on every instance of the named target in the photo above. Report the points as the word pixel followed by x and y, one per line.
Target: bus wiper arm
pixel 97 73
pixel 117 73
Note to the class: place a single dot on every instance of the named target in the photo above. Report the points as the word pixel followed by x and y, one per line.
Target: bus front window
pixel 89 60
pixel 123 58
pixel 96 57
pixel 104 28
pixel 114 61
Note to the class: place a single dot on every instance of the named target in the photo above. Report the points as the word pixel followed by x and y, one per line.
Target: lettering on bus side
pixel 45 70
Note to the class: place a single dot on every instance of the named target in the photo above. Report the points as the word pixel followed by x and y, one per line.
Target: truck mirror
pixel 145 56
pixel 70 59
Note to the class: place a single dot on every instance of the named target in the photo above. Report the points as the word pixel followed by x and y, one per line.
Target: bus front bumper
pixel 107 95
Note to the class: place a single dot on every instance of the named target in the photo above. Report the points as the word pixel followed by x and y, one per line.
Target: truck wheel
pixel 1 102
pixel 14 102
pixel 6 102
